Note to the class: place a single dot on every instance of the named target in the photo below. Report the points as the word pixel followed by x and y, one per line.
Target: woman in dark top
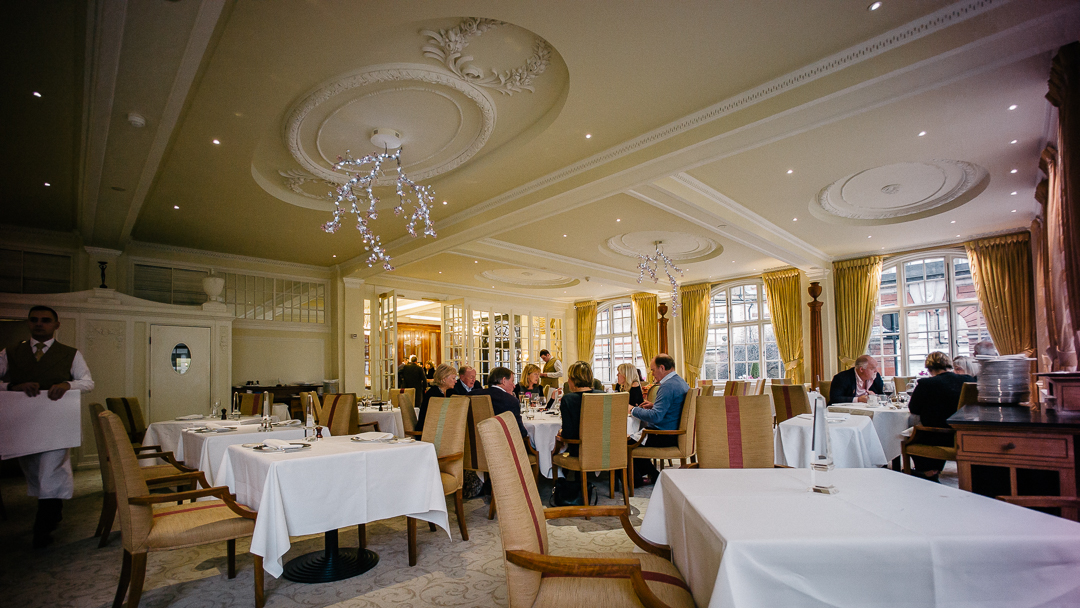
pixel 429 370
pixel 445 377
pixel 580 374
pixel 530 382
pixel 934 400
pixel 628 382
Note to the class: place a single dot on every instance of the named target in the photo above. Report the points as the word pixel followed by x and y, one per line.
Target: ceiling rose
pixel 678 246
pixel 900 192
pixel 529 279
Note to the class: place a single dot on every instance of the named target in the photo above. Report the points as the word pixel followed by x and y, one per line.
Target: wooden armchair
pixel 602 435
pixel 790 400
pixel 130 413
pixel 683 451
pixel 928 442
pixel 340 416
pixel 251 403
pixel 734 432
pixel 535 578
pixel 394 396
pixel 825 387
pixel 969 394
pixel 445 427
pixel 146 525
pixel 480 409
pixel 408 416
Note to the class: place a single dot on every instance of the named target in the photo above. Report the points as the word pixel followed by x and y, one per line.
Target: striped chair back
pixel 825 387
pixel 135 520
pixel 444 426
pixel 735 432
pixel 522 525
pixel 780 381
pixel 339 414
pixel 408 412
pixel 107 483
pixel 755 387
pixel 251 403
pixel 735 387
pixel 707 390
pixel 969 394
pixel 651 396
pixel 901 382
pixel 790 401
pixel 395 396
pixel 688 422
pixel 603 431
pixel 314 401
pixel 131 416
pixel 480 409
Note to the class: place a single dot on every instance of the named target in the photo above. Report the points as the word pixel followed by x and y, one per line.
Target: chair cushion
pixel 197 523
pixel 646 452
pixel 566 461
pixel 661 575
pixel 931 451
pixel 450 483
pixel 533 459
pixel 159 470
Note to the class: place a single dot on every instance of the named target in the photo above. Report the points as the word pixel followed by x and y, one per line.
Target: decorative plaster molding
pixel 96 331
pixel 322 270
pixel 679 246
pixel 295 179
pixel 556 258
pixel 103 252
pixel 448 46
pixel 352 283
pixel 521 277
pixel 914 30
pixel 389 73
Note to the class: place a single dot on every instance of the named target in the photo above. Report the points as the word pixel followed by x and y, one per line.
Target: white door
pixel 453 332
pixel 179 371
pixel 387 351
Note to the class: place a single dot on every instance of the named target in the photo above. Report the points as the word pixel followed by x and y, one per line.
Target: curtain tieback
pixel 790 365
pixel 847 362
pixel 692 369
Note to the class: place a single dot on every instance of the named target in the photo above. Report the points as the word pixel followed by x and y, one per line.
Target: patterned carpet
pixel 74 572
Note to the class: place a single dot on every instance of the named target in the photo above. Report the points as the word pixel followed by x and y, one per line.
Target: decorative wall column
pixel 816 357
pixel 662 308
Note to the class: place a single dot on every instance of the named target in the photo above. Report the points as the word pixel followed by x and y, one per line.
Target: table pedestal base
pixel 330 564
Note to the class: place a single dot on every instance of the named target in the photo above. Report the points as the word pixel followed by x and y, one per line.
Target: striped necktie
pixel 40 352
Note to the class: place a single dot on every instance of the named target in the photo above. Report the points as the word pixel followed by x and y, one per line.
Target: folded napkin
pixel 290 422
pixel 373 436
pixel 280 445
pixel 231 426
pixel 190 417
pixel 831 416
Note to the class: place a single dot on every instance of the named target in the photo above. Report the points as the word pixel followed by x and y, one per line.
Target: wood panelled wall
pixel 424 341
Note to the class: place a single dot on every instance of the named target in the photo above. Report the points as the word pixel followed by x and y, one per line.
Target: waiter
pixel 41 364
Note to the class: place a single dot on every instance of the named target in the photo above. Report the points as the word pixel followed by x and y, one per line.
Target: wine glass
pixel 890 389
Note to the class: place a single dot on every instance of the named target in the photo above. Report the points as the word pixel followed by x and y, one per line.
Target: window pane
pixel 745 351
pixel 970 329
pixel 744 303
pixel 965 286
pixel 927 331
pixel 153 283
pixel 602 323
pixel 718 308
pixel 715 365
pixel 621 316
pixel 602 359
pixel 925 281
pixel 47 273
pixel 885 343
pixel 887 293
pixel 774 365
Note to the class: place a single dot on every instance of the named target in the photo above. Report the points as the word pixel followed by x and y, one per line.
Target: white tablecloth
pixel 886 540
pixel 204 451
pixel 854 443
pixel 389 422
pixel 335 484
pixel 888 423
pixel 30 425
pixel 542 431
pixel 167 434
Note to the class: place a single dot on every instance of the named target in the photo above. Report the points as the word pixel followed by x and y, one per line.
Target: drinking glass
pixel 215 409
pixel 890 388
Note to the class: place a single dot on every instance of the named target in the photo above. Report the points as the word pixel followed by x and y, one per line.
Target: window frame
pixel 611 368
pixel 764 318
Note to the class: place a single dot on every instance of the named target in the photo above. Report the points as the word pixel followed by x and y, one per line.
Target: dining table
pixel 543 428
pixel 747 538
pixel 204 449
pixel 168 433
pixel 853 439
pixel 389 419
pixel 332 483
pixel 889 423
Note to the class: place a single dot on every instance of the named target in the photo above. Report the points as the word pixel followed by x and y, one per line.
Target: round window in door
pixel 181 358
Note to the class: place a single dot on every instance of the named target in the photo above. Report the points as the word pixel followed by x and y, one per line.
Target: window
pixel 169 285
pixel 32 272
pixel 740 342
pixel 925 303
pixel 616 342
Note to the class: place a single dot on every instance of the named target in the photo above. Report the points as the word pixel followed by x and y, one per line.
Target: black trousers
pixel 644 466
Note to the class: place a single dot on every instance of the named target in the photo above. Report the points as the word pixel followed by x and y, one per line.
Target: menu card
pixel 29 425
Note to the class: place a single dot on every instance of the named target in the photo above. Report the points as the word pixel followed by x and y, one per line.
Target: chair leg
pixel 630 466
pixel 611 484
pixel 411 526
pixel 682 463
pixel 125 579
pixel 905 461
pixel 361 531
pixel 108 513
pixel 260 597
pixel 491 508
pixel 431 526
pixel 138 577
pixel 625 495
pixel 460 508
pixel 231 548
pixel 584 489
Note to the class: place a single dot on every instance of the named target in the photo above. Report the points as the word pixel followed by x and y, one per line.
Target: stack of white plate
pixel 1004 380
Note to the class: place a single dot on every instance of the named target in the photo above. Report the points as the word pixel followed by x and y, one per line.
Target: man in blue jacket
pixel 663 414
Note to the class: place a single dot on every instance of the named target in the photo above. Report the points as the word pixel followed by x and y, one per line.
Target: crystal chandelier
pixel 650 264
pixel 409 193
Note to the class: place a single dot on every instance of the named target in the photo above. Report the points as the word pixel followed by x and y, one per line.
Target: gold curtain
pixel 586 330
pixel 694 301
pixel 648 329
pixel 857 282
pixel 1001 270
pixel 783 292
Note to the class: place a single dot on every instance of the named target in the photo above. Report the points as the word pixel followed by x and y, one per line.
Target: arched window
pixel 938 310
pixel 616 341
pixel 740 343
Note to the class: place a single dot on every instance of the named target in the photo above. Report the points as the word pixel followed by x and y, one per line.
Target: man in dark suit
pixel 502 396
pixel 413 376
pixel 467 384
pixel 856 384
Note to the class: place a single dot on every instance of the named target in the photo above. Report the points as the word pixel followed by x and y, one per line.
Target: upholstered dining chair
pixel 755 387
pixel 780 381
pixel 537 579
pixel 312 399
pixel 146 524
pixel 130 413
pixel 445 427
pixel 925 441
pixel 683 451
pixel 480 409
pixel 650 396
pixel 339 414
pixel 969 394
pixel 251 403
pixel 394 396
pixel 602 437
pixel 825 387
pixel 150 474
pixel 735 387
pixel 708 390
pixel 790 401
pixel 900 383
pixel 408 416
pixel 734 432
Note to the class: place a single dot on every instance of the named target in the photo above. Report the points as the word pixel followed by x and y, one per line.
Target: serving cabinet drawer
pixel 1017 445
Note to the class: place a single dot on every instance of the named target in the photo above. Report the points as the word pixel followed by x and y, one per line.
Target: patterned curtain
pixel 857 282
pixel 1001 270
pixel 694 300
pixel 586 330
pixel 648 329
pixel 784 294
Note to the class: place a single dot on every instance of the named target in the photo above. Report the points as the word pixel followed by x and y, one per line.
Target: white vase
pixel 213 285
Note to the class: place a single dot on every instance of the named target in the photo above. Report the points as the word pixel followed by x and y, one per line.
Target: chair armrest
pixel 620 511
pixel 589 567
pixel 1041 501
pixel 452 457
pixel 416 434
pixel 782 466
pixel 167 457
pixel 373 423
pixel 693 465
pixel 144 448
pixel 220 492
pixel 659 432
pixel 918 428
pixel 197 476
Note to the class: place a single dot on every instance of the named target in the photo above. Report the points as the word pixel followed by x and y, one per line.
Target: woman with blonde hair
pixel 529 384
pixel 627 382
pixel 934 400
pixel 442 383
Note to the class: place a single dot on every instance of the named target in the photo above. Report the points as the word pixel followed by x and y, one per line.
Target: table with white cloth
pixel 545 426
pixel 389 420
pixel 888 423
pixel 167 434
pixel 854 442
pixel 885 540
pixel 204 451
pixel 334 484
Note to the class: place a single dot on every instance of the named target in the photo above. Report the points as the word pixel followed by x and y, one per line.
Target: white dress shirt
pixel 80 373
pixel 555 374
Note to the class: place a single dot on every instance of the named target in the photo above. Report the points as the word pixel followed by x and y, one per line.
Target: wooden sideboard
pixel 1013 451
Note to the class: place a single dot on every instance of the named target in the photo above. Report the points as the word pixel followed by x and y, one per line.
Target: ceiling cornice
pixel 321 271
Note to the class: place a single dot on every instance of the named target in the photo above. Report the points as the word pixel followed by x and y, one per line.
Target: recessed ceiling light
pixel 1014 141
pixel 335 255
pixel 618 220
pixel 476 261
pixel 1013 171
pixel 869 236
pixel 794 219
pixel 36 94
pixel 444 202
pixel 176 206
pixel 953 222
pixel 882 247
pixel 564 236
pixel 217 142
pixel 440 272
pixel 588 136
pixel 1014 210
pixel 921 133
pixel 874 6
pixel 1013 193
pixel 1012 107
pixel 47 184
pixel 493 287
pixel 958 236
pixel 790 171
